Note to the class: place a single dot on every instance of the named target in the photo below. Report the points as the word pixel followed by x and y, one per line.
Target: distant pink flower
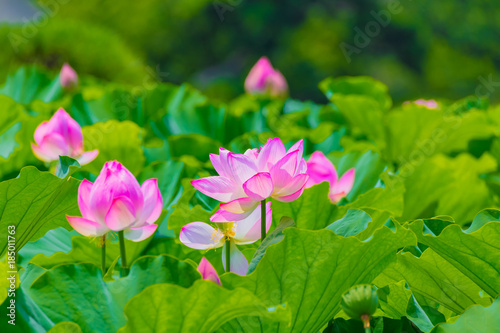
pixel 246 179
pixel 117 202
pixel 430 104
pixel 321 169
pixel 208 271
pixel 68 77
pixel 61 136
pixel 202 236
pixel 264 79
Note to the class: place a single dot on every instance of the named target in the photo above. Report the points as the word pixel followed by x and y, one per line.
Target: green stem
pixel 368 330
pixel 262 220
pixel 103 255
pixel 123 255
pixel 228 255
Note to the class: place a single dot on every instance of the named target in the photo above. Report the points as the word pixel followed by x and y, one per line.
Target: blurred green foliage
pixel 426 49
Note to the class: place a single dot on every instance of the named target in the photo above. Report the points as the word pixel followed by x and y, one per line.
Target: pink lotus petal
pixel 277 84
pixel 248 230
pixel 242 167
pixel 283 171
pixel 288 194
pixel 239 263
pixel 302 167
pixel 343 186
pixel 101 195
pixel 253 154
pixel 87 227
pixel 84 199
pixel 272 152
pixel 153 201
pixel 256 78
pixel 121 214
pixel 53 145
pixel 201 236
pixel 69 129
pixel 239 206
pixel 208 271
pixel 259 187
pixel 87 157
pixel 68 77
pixel 222 216
pixel 320 169
pixel 40 154
pixel 140 233
pixel 41 131
pixel 219 188
pixel 123 183
pixel 299 145
pixel 220 163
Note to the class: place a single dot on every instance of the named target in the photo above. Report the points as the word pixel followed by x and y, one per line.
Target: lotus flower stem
pixel 263 219
pixel 123 255
pixel 103 254
pixel 228 255
pixel 366 323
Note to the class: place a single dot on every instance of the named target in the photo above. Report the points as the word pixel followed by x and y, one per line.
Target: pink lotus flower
pixel 68 77
pixel 264 79
pixel 202 236
pixel 430 104
pixel 61 136
pixel 246 179
pixel 321 169
pixel 117 202
pixel 208 271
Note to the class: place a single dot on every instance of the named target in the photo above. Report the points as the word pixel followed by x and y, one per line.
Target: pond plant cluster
pixel 156 209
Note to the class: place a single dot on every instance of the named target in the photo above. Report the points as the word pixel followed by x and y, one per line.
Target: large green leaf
pixel 66 327
pixel 357 86
pixel 197 145
pixel 475 254
pixel 416 133
pixel 115 140
pixel 16 133
pixel 368 165
pixel 30 83
pixel 35 203
pixel 272 238
pixel 434 278
pixel 85 250
pixel 354 221
pixel 313 209
pixel 442 185
pixel 95 305
pixel 476 319
pixel 310 270
pixel 202 308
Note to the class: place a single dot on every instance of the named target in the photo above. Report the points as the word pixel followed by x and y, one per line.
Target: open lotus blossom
pixel 246 179
pixel 208 271
pixel 321 169
pixel 61 136
pixel 202 236
pixel 117 202
pixel 264 79
pixel 68 77
pixel 430 104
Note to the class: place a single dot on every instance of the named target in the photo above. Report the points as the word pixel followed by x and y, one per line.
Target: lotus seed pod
pixel 360 301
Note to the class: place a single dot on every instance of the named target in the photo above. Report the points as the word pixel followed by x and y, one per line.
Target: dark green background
pixel 429 48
